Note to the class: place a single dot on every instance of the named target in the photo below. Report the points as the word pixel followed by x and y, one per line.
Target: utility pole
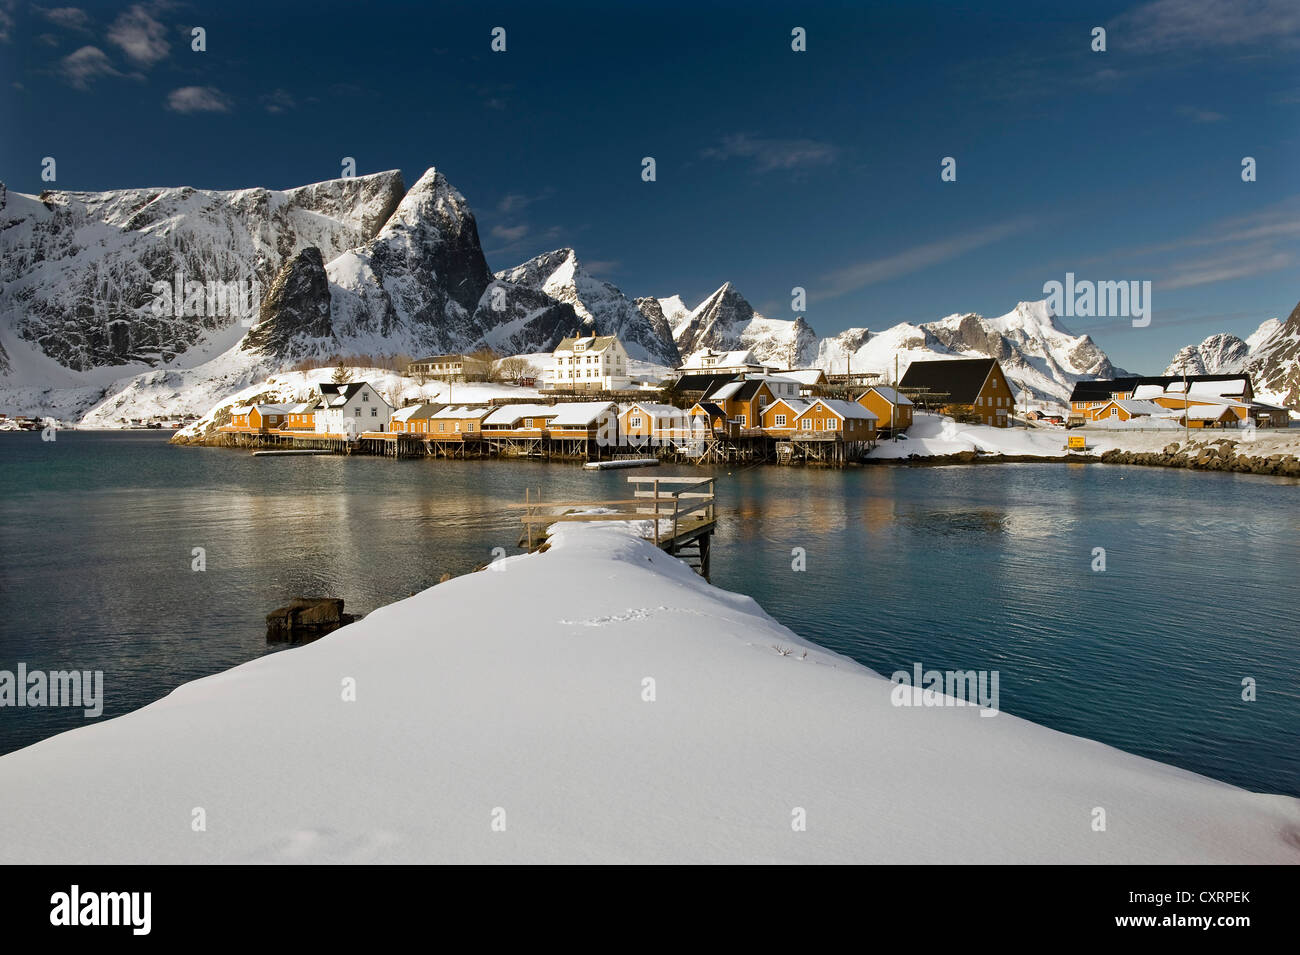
pixel 1187 408
pixel 893 428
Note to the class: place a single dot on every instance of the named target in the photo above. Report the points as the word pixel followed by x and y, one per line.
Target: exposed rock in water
pixel 306 618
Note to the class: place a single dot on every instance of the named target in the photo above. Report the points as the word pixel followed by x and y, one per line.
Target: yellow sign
pixel 1076 442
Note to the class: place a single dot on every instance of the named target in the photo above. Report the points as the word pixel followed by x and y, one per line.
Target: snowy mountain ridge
pixel 1270 355
pixel 363 265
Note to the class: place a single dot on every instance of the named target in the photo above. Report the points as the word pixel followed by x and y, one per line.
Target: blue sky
pixel 775 168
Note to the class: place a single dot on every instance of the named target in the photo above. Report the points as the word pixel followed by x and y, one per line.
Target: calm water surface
pixel 954 568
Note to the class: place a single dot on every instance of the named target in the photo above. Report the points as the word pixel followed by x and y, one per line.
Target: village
pixel 716 408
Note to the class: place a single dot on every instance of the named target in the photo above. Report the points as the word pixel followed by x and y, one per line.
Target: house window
pixel 374 412
pixel 832 424
pixel 634 422
pixel 780 421
pixel 364 396
pixel 806 424
pixel 741 419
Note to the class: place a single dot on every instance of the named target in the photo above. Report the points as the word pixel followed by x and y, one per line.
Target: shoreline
pixel 1217 454
pixel 623 727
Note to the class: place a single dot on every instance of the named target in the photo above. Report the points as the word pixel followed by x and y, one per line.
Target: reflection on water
pixel 955 568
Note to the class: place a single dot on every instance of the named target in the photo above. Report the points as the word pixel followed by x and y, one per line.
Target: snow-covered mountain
pixel 363 266
pixel 80 271
pixel 725 321
pixel 1037 353
pixel 644 331
pixel 1270 355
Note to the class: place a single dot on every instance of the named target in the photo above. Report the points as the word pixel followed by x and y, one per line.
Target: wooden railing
pixel 689 501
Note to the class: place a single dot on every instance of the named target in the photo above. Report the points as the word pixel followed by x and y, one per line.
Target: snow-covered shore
pixel 518 696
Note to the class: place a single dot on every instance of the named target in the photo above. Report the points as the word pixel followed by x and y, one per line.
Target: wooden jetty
pixel 677 514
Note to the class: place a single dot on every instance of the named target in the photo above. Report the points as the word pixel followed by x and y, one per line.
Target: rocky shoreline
pixel 1222 454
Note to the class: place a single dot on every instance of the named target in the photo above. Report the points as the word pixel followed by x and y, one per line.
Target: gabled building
pixel 1126 409
pixel 261 418
pixel 781 417
pixel 519 421
pixel 451 368
pixel 847 420
pixel 583 419
pixel 965 387
pixel 710 362
pixel 646 422
pixel 812 381
pixel 353 407
pixel 457 423
pixel 301 417
pixel 892 408
pixel 589 363
pixel 743 401
pixel 414 419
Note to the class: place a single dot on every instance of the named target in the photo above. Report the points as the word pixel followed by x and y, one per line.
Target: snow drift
pixel 518 697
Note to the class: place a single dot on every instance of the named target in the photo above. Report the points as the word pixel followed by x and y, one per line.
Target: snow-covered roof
pixel 461 411
pixel 720 359
pixel 303 407
pixel 1146 392
pixel 1217 389
pixel 1136 407
pixel 726 391
pixel 890 395
pixel 422 410
pixel 589 343
pixel 1207 412
pixel 847 409
pixel 655 410
pixel 580 414
pixel 509 414
pixel 805 376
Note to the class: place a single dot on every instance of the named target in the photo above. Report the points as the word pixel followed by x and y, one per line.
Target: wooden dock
pixel 677 514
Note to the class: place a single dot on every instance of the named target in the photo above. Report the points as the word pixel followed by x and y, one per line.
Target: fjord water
pixel 954 568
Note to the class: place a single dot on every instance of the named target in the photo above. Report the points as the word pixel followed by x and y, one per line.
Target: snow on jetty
pixel 597 702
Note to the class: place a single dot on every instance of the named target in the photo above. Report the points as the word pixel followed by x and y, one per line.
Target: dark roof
pixel 958 378
pixel 1100 389
pixel 747 390
pixel 700 383
pixel 347 389
pixel 712 410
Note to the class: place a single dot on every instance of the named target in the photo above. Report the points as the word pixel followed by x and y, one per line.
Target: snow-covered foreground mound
pixel 518 697
pixel 932 434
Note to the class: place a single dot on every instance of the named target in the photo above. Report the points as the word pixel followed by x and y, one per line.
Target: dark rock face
pixel 296 310
pixel 420 279
pixel 561 276
pixel 536 321
pixel 78 270
pixel 725 321
pixel 306 618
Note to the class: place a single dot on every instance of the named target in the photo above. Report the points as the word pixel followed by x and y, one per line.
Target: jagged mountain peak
pixel 560 275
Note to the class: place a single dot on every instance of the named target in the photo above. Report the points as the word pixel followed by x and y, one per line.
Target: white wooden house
pixel 350 408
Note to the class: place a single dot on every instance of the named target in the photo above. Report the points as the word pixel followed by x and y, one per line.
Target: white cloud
pixel 509 233
pixel 772 154
pixel 141 37
pixel 73 18
pixel 915 259
pixel 82 67
pixel 1207 24
pixel 198 99
pixel 279 101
